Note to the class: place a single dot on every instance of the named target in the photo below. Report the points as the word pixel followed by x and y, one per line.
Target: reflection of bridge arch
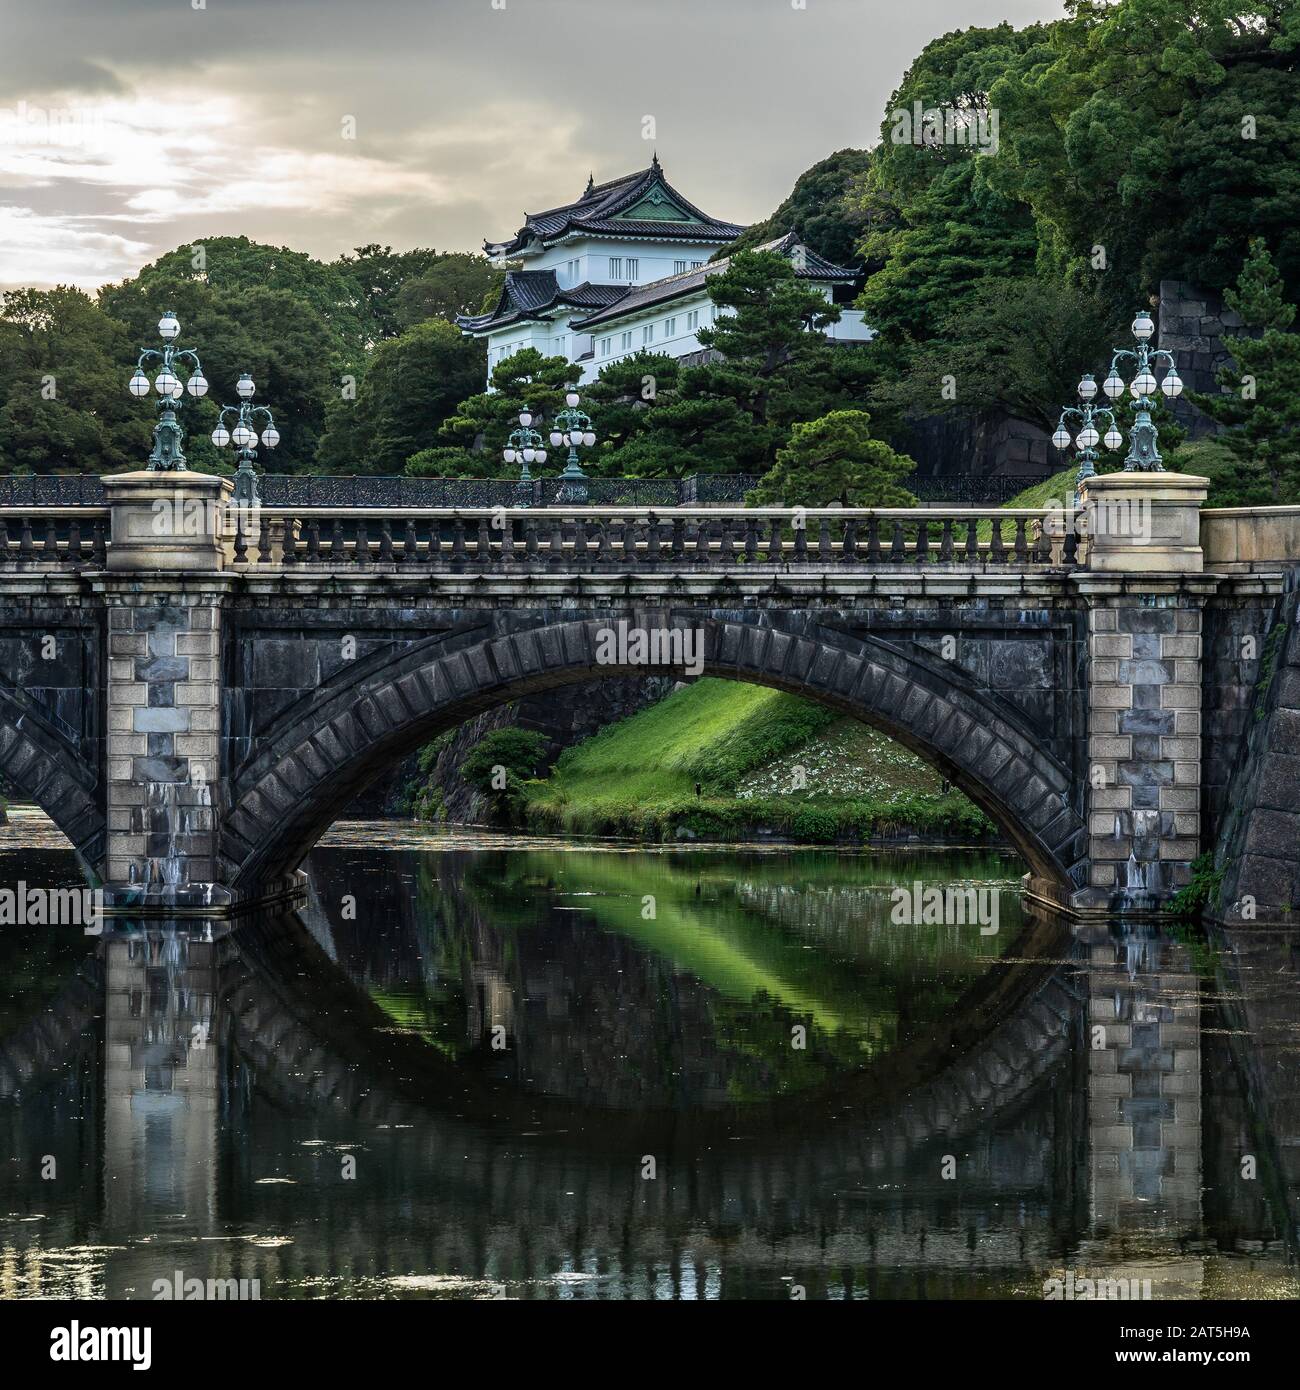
pixel 348 732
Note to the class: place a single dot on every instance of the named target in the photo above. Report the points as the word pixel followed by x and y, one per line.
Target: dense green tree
pixel 64 406
pixel 823 210
pixel 835 461
pixel 455 283
pixel 381 276
pixel 1260 396
pixel 412 384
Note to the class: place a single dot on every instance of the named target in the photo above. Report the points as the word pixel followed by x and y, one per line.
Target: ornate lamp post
pixel 1088 416
pixel 572 427
pixel 1143 454
pixel 244 437
pixel 167 434
pixel 524 446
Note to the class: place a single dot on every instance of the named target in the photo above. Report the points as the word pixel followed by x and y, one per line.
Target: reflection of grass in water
pixel 424 1015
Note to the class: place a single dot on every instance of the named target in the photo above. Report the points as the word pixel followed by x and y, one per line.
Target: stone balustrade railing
pixel 39 538
pixel 595 538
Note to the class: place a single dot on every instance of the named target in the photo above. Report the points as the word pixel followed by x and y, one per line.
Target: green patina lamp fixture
pixel 525 446
pixel 572 427
pixel 1143 455
pixel 167 455
pixel 244 437
pixel 1088 416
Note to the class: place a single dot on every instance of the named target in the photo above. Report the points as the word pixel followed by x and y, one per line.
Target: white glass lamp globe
pixel 525 418
pixel 1113 438
pixel 571 399
pixel 243 437
pixel 270 436
pixel 589 438
pixel 557 439
pixel 541 456
pixel 245 386
pixel 1061 438
pixel 197 385
pixel 221 436
pixel 165 383
pixel 508 455
pixel 1143 385
pixel 139 384
pixel 530 455
pixel 1088 438
pixel 1087 387
pixel 1143 327
pixel 168 326
pixel 1113 386
pixel 177 391
pixel 1172 385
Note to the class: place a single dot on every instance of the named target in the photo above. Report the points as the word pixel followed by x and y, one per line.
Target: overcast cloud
pixel 179 123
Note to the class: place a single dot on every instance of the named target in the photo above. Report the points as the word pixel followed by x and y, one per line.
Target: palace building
pixel 624 270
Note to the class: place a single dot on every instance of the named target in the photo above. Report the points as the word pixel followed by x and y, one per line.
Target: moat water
pixel 481 1066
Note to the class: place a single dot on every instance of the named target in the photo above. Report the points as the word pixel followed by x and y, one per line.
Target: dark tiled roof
pixel 531 293
pixel 599 212
pixel 671 287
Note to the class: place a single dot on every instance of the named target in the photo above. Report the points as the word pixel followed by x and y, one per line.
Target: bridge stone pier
pixel 194 689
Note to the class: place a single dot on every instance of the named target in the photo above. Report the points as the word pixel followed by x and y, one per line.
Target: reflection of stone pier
pixel 161 1095
pixel 1144 1109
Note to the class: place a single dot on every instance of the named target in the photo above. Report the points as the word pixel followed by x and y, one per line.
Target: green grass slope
pixel 762 761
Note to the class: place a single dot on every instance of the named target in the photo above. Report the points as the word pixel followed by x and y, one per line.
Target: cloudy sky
pixel 128 127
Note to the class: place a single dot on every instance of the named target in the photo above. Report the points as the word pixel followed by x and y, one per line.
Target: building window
pixel 670 327
pixel 692 320
pixel 647 334
pixel 679 267
pixel 633 267
pixel 604 347
pixel 625 341
pixel 616 267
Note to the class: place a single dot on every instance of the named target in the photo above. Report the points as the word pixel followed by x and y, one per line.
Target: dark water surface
pixel 484 1067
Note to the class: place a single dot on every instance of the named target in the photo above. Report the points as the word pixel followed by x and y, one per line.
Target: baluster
pixel 483 544
pixel 50 545
pixel 264 543
pixel 972 546
pixel 629 543
pixel 99 545
pixel 530 544
pixel 679 540
pixel 726 546
pixel 1043 543
pixel 997 551
pixel 385 540
pixel 945 544
pixel 702 538
pixel 801 541
pixel 751 541
pixel 873 539
pixel 507 555
pixel 824 540
pixel 337 551
pixel 898 545
pixel 313 542
pixel 241 540
pixel 652 543
pixel 921 551
pixel 604 554
pixel 1022 547
pixel 581 546
pixel 555 546
pixel 1070 550
pixel 289 544
pixel 458 553
pixel 26 550
pixel 362 553
pixel 776 542
pixel 4 540
pixel 74 542
pixel 849 542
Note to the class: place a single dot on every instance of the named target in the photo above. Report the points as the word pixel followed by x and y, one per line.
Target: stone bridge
pixel 193 690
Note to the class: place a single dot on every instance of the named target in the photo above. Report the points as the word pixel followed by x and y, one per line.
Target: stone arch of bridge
pixel 285 796
pixel 39 764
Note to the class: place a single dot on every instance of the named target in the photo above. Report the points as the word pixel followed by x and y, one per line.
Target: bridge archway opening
pixel 310 767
